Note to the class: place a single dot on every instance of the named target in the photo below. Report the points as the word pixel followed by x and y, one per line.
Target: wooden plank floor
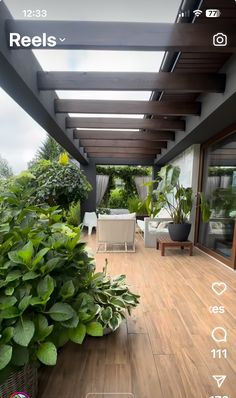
pixel 164 349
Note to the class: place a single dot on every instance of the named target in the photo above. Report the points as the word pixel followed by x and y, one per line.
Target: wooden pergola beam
pixel 124 135
pixel 109 155
pixel 128 107
pixel 124 123
pixel 129 35
pixel 123 143
pixel 127 150
pixel 160 81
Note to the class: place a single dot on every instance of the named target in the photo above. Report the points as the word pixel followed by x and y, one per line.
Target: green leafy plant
pixel 44 272
pixel 135 205
pixel 56 183
pixel 126 174
pixel 117 199
pixel 224 201
pixel 176 199
pixel 49 291
pixel 113 297
pixel 73 216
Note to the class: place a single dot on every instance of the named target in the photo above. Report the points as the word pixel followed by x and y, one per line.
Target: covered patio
pixel 165 349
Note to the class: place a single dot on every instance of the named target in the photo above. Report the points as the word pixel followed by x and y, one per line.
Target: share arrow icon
pixel 219 379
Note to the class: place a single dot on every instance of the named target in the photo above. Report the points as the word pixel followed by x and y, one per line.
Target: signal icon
pixel 197 13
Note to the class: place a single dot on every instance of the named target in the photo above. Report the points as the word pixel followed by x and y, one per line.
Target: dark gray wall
pixel 90 173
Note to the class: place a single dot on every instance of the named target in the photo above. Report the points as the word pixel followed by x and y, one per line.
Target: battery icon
pixel 212 13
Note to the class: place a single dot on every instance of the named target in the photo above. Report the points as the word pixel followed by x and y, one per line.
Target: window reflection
pixel 219 185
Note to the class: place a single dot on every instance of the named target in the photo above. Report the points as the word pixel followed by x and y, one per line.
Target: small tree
pixel 58 183
pixel 5 169
pixel 49 150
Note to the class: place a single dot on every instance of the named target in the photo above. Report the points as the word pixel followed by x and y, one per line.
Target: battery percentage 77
pixel 212 13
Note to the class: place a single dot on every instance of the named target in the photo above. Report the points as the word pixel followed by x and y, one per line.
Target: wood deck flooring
pixel 164 349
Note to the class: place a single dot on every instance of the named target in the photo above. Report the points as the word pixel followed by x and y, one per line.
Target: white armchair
pixel 90 221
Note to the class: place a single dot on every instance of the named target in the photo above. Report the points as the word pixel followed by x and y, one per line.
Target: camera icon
pixel 220 40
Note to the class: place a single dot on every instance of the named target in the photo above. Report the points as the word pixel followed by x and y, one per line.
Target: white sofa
pixel 116 231
pixel 154 227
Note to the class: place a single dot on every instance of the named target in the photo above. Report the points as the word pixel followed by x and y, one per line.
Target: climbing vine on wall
pixel 126 174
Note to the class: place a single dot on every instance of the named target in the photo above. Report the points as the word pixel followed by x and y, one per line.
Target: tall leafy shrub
pixel 57 183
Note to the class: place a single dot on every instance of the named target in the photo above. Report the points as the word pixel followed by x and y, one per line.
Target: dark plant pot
pixel 179 232
pixel 140 217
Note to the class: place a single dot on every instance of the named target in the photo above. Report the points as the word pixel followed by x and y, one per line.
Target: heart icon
pixel 219 287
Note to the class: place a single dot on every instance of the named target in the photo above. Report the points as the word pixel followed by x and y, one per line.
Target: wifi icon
pixel 197 13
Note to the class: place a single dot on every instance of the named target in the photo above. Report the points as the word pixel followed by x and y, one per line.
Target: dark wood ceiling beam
pixel 128 107
pixel 128 35
pixel 123 143
pixel 117 149
pixel 124 135
pixel 180 82
pixel 137 156
pixel 124 123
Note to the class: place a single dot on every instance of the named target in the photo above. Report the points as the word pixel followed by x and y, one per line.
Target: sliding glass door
pixel 219 186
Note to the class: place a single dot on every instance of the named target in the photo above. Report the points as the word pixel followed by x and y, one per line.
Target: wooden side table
pixel 166 241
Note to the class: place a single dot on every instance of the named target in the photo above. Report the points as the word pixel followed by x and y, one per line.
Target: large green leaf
pixel 129 298
pixel 26 253
pixel 61 312
pixel 117 302
pixel 94 329
pixel 14 257
pixel 43 330
pixel 47 353
pixel 78 334
pixel 169 177
pixel 115 321
pixel 45 287
pixel 5 355
pixel 67 290
pixel 30 275
pixel 24 332
pixel 6 302
pixel 9 313
pixel 72 323
pixel 106 314
pixel 52 264
pixel 24 303
pixel 13 275
pixel 40 256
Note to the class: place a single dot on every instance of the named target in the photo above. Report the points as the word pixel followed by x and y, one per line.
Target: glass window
pixel 219 185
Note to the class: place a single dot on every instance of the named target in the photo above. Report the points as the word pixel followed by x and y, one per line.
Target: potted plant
pixel 177 200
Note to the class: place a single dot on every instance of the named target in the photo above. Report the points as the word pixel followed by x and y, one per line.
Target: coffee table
pixel 166 241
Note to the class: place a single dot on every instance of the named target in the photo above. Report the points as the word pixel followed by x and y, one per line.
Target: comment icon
pixel 219 335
